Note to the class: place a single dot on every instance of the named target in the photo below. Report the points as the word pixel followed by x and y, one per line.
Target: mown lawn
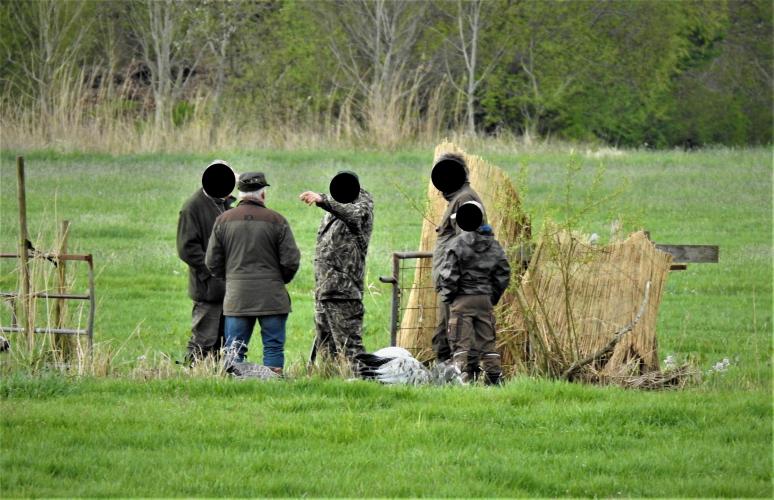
pixel 98 437
pixel 332 438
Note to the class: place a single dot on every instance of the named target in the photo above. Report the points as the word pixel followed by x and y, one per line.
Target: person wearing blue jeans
pixel 253 249
pixel 239 329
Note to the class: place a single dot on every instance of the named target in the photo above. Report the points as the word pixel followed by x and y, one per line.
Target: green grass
pixel 97 437
pixel 328 438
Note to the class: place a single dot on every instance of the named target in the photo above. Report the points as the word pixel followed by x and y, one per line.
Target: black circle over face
pixel 218 180
pixel 469 217
pixel 345 188
pixel 448 176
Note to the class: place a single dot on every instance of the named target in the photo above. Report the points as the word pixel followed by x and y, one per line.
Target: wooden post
pixel 63 343
pixel 28 311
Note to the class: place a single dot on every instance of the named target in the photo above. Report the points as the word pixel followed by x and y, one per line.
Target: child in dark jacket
pixel 473 275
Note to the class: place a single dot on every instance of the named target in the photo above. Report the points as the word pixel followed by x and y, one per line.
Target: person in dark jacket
pixel 473 274
pixel 253 248
pixel 450 176
pixel 194 227
pixel 339 267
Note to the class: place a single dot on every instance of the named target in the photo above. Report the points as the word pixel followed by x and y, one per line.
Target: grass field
pixel 121 436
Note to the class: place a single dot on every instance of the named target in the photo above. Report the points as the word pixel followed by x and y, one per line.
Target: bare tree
pixel 471 21
pixel 172 47
pixel 375 53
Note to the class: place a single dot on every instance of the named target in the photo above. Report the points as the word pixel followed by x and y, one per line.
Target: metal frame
pixel 89 331
pixel 394 280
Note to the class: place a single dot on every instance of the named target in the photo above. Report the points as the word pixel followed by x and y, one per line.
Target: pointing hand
pixel 310 197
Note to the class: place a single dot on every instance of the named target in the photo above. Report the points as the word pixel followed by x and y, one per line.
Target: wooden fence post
pixel 28 311
pixel 64 343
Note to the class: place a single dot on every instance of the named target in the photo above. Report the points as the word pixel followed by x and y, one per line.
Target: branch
pixel 613 342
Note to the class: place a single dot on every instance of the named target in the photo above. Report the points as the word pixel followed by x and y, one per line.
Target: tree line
pixel 628 73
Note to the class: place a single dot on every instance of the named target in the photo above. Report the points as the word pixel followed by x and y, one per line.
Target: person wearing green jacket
pixel 252 247
pixel 194 227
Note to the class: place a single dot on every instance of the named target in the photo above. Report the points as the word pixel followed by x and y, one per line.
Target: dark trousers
pixel 206 330
pixel 339 325
pixel 472 337
pixel 441 346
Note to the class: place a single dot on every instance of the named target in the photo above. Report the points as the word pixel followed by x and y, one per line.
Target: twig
pixel 413 203
pixel 613 342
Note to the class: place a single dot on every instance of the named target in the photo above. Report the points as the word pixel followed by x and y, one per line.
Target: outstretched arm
pixel 352 214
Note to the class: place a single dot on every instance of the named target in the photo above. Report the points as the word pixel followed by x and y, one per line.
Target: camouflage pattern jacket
pixel 342 246
pixel 474 264
pixel 448 229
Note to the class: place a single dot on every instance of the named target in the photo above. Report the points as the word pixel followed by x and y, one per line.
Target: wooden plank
pixel 691 254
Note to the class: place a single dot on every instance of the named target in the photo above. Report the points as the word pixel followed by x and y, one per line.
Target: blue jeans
pixel 239 329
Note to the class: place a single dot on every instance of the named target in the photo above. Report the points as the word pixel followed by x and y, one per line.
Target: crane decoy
pixel 396 365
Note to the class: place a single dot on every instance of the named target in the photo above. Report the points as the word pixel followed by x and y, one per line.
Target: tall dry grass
pixel 90 112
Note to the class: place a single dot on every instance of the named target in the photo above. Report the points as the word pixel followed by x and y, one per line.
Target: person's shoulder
pixel 365 199
pixel 193 201
pixel 465 195
pixel 274 216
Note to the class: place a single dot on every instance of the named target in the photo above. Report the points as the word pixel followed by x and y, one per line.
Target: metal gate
pixel 402 282
pixel 13 297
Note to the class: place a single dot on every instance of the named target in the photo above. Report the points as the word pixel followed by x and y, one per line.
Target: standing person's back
pixel 473 275
pixel 253 248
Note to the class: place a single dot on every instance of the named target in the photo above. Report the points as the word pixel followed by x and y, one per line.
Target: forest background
pixel 140 75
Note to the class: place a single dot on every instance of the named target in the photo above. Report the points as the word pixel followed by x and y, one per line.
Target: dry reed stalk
pixel 580 295
pixel 511 227
pixel 676 378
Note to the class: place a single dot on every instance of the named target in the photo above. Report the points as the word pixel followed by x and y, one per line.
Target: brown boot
pixel 492 368
pixel 277 370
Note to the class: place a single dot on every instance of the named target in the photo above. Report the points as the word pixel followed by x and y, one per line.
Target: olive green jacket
pixel 253 248
pixel 194 227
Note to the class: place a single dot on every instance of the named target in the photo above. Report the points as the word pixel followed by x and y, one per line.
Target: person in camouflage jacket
pixel 339 271
pixel 473 274
pixel 450 176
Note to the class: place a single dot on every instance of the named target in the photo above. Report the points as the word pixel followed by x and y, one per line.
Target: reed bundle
pixel 504 214
pixel 579 311
pixel 574 298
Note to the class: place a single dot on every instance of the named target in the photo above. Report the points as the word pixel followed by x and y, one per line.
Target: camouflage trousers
pixel 206 330
pixel 472 337
pixel 339 325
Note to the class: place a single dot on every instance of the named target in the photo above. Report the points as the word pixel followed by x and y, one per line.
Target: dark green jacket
pixel 253 248
pixel 342 246
pixel 448 229
pixel 194 226
pixel 474 264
